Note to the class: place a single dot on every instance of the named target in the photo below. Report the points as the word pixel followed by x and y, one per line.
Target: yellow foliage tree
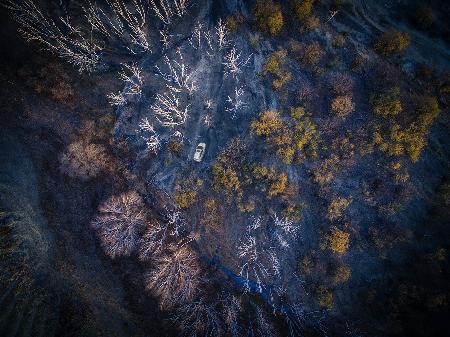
pixel 268 16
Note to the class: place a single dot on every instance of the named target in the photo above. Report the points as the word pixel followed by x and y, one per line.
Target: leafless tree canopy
pixel 120 223
pixel 105 27
pixel 176 276
pixel 84 160
pixel 199 318
pixel 59 36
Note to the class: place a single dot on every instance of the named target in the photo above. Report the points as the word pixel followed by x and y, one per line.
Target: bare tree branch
pixel 119 224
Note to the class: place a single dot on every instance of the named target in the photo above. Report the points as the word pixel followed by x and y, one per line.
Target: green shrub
pixel 391 42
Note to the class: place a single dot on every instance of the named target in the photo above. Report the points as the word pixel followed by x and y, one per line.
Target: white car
pixel 199 152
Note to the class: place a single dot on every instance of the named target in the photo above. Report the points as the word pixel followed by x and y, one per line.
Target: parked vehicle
pixel 199 152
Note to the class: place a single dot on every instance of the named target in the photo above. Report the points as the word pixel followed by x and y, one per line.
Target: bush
pixel 301 137
pixel 312 53
pixel 337 207
pixel 119 224
pixel 387 103
pixel 424 17
pixel 306 94
pixel 213 214
pixel 342 105
pixel 305 133
pixel 324 173
pixel 311 23
pixel 186 192
pixel 303 8
pixel 226 178
pixel 279 185
pixel 269 122
pixel 185 199
pixel 338 41
pixel 305 265
pixel 272 183
pixel 337 241
pixel 340 84
pixel 342 274
pixel 174 147
pixel 337 4
pixel 358 63
pixel 235 21
pixel 273 66
pixel 54 81
pixel 268 17
pixel 324 297
pixel 391 42
pixel 84 160
pixel 427 107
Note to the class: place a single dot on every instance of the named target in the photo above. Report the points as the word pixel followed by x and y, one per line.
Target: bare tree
pixel 222 34
pixel 178 76
pixel 258 264
pixel 150 136
pixel 120 223
pixel 166 10
pixel 236 102
pixel 285 230
pixel 216 38
pixel 195 40
pixel 169 110
pixel 120 20
pixel 234 62
pixel 176 276
pixel 60 37
pixel 159 235
pixel 199 318
pixel 165 38
pixel 263 325
pixel 84 160
pixel 231 310
pixel 131 75
pixel 294 316
pixel 153 241
pixel 117 99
